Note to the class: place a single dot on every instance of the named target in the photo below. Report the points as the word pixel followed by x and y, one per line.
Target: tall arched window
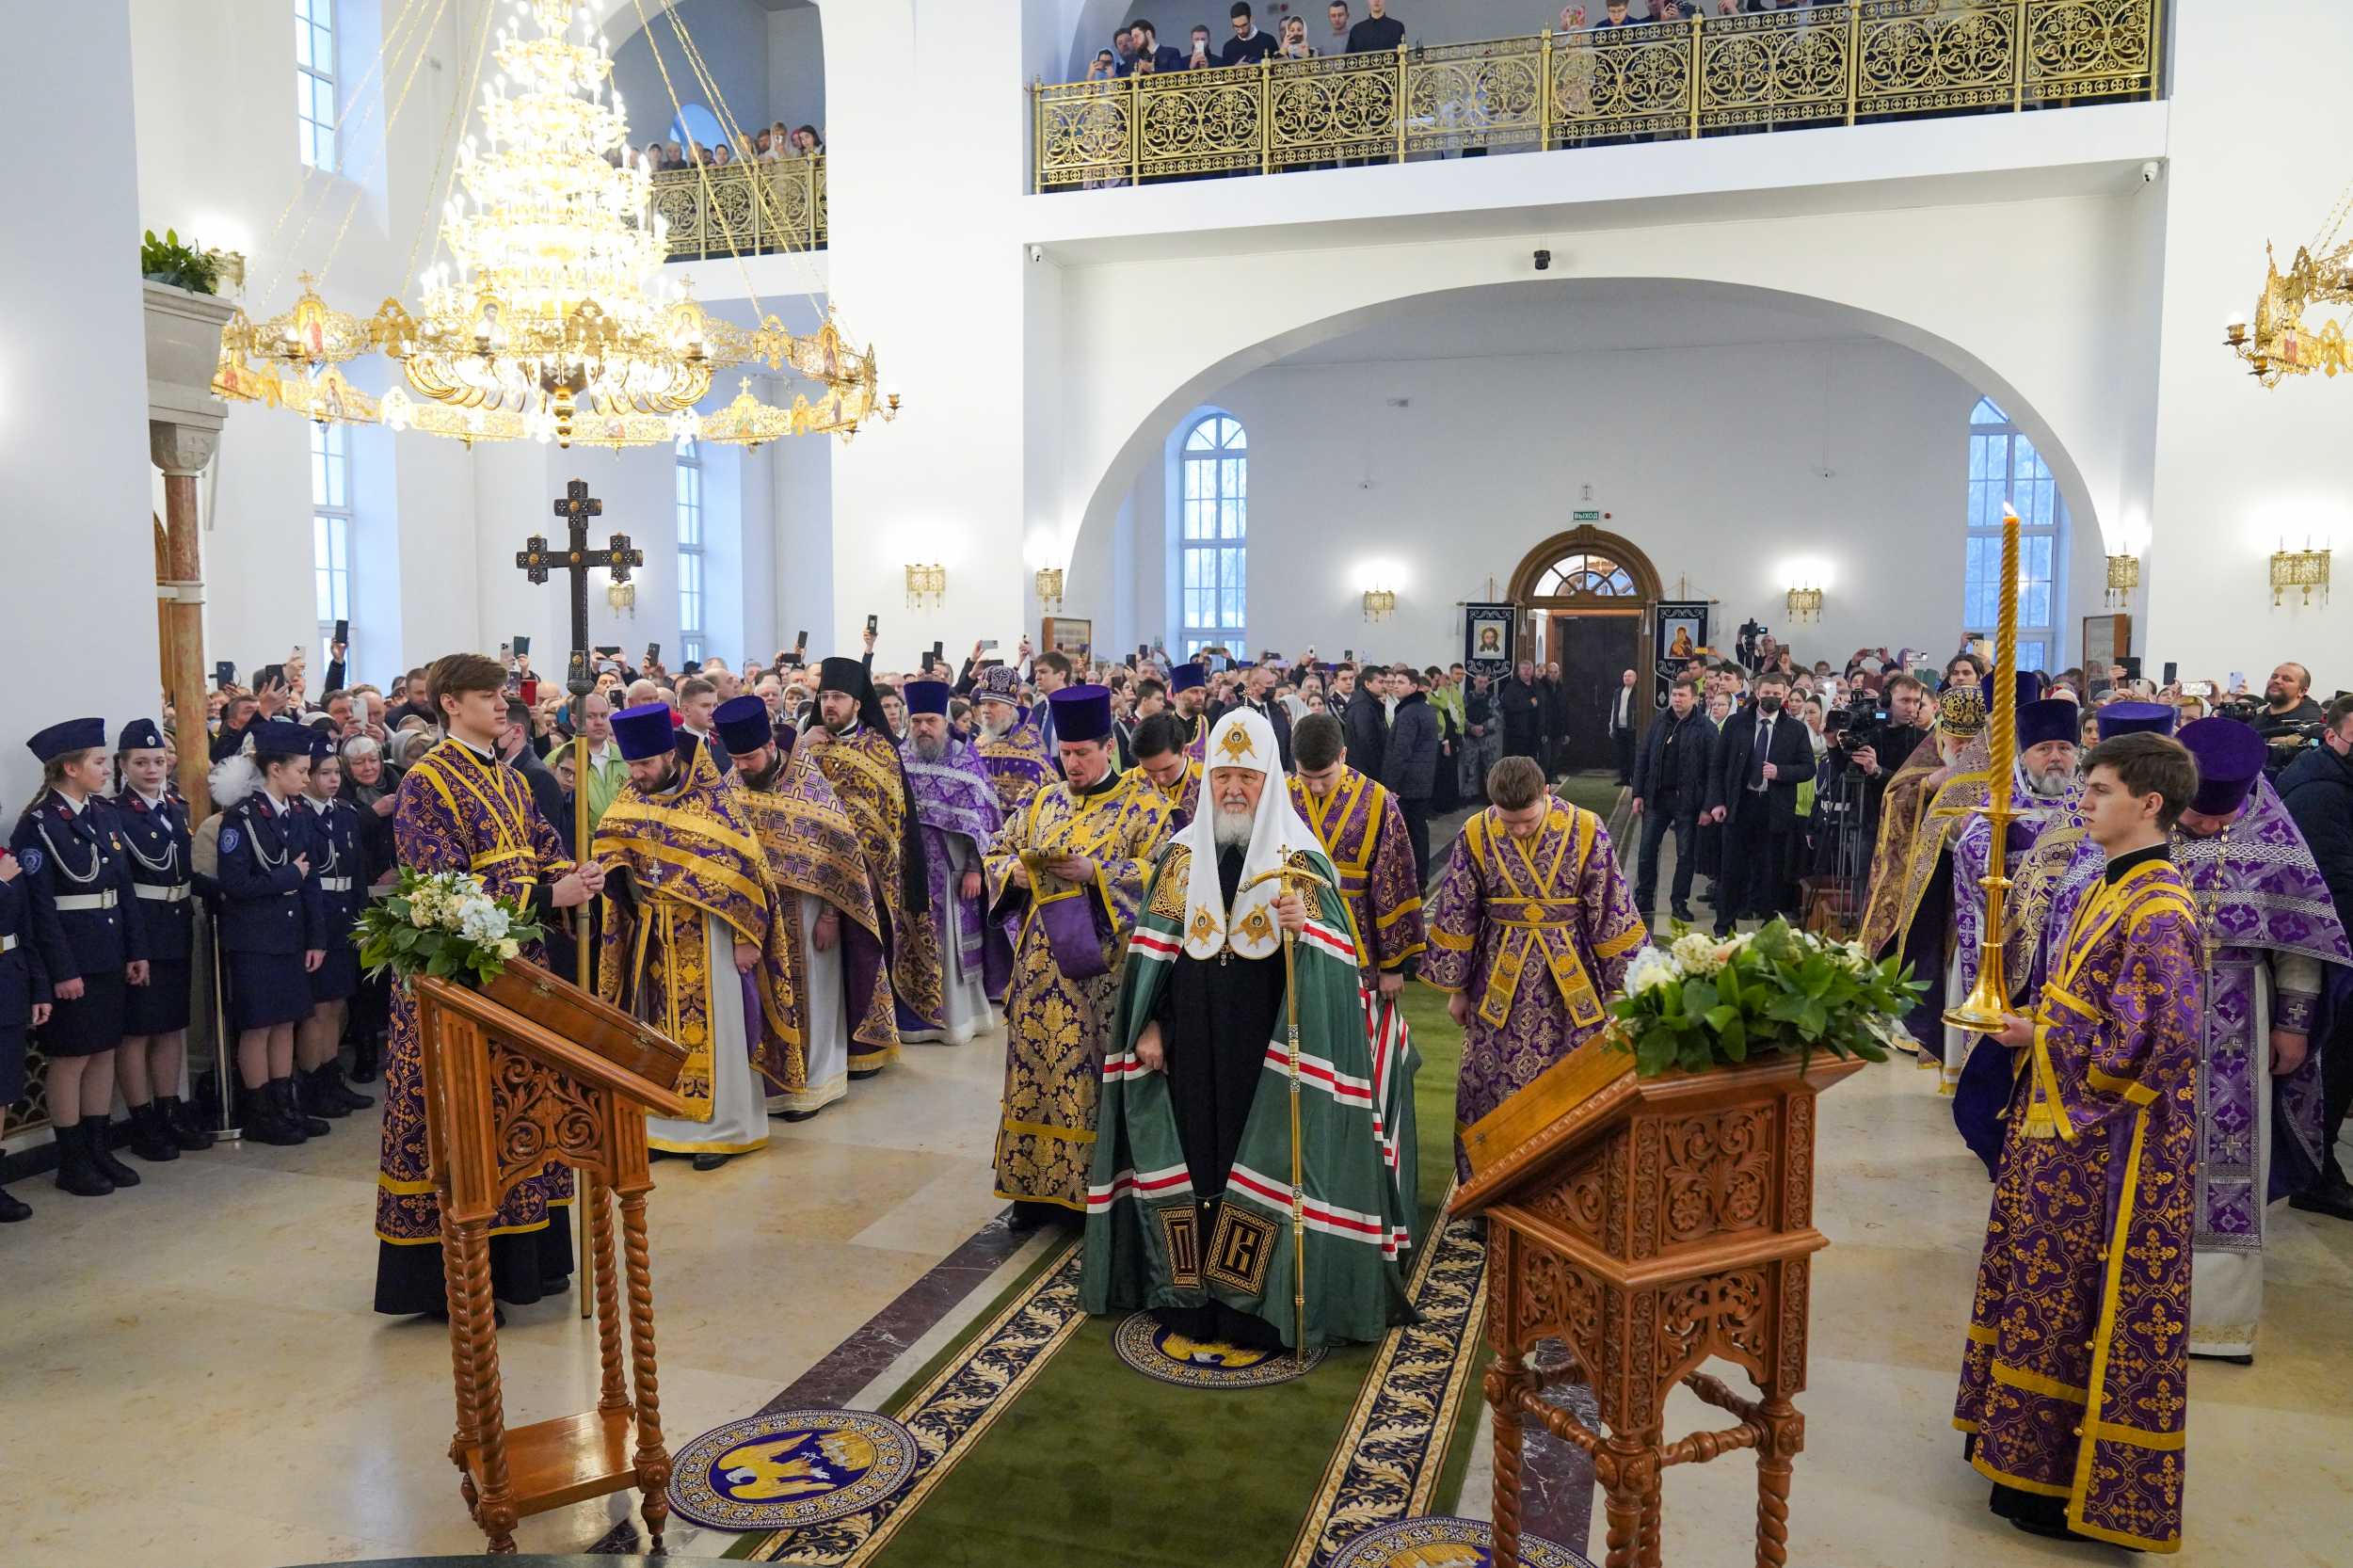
pixel 1214 546
pixel 690 551
pixel 315 83
pixel 2005 467
pixel 1587 576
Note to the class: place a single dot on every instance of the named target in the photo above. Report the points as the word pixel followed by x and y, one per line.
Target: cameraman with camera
pixel 2317 790
pixel 2286 719
pixel 1877 747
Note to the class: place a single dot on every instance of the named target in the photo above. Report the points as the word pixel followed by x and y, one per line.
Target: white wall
pixel 74 456
pixel 796 69
pixel 731 37
pixel 2237 467
pixel 1710 459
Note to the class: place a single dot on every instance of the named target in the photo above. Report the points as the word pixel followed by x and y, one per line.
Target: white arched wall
pixel 2033 325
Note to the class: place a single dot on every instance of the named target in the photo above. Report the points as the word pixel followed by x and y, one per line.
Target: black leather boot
pixel 97 1139
pixel 150 1136
pixel 11 1211
pixel 262 1121
pixel 334 1091
pixel 76 1174
pixel 317 1096
pixel 290 1106
pixel 180 1120
pixel 364 1056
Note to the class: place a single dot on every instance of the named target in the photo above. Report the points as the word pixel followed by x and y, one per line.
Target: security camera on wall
pixel 2151 172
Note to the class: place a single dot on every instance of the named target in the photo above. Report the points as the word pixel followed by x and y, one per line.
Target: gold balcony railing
pixel 1822 65
pixel 743 209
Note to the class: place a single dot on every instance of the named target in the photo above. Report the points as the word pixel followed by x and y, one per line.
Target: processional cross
pixel 537 560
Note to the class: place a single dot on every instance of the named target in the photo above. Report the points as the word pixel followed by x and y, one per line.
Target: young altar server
pixel 2074 1377
pixel 1530 932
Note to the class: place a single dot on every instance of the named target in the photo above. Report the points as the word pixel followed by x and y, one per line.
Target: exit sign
pixel 1594 515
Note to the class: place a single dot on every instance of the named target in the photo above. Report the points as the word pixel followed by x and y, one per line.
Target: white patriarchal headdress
pixel 1242 738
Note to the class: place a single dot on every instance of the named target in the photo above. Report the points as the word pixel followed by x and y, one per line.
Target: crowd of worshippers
pixel 1138 48
pixel 770 144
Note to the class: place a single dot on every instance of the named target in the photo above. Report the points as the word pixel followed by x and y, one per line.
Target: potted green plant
pixel 1698 1002
pixel 182 266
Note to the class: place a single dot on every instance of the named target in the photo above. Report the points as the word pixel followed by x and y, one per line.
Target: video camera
pixel 1858 724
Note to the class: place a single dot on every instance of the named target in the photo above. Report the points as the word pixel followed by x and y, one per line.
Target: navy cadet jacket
pixel 162 867
pixel 23 979
pixel 331 840
pixel 267 904
pixel 78 875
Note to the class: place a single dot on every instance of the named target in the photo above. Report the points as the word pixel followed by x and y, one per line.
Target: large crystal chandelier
pixel 551 317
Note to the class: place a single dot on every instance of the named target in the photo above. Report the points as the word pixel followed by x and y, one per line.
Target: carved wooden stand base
pixel 503 1095
pixel 1650 1225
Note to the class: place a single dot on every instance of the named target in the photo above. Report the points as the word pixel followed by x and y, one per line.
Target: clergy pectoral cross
pixel 537 560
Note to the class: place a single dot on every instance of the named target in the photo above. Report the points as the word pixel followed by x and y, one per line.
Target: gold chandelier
pixel 551 319
pixel 2279 344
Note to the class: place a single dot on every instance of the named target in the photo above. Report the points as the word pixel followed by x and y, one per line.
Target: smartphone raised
pixel 653 654
pixel 224 674
pixel 343 634
pixel 874 623
pixel 523 646
pixel 2201 689
pixel 530 691
pixel 2172 671
pixel 988 644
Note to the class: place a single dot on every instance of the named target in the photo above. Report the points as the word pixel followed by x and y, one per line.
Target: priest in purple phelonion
pixel 1011 748
pixel 2275 954
pixel 956 805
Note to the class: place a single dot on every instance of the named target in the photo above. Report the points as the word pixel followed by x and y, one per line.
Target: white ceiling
pixel 1584 317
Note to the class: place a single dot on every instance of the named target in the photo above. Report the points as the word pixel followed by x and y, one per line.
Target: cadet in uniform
pixel 270 925
pixel 154 825
pixel 23 997
pixel 78 877
pixel 333 827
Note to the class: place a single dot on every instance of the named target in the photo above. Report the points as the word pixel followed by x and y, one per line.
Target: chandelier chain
pixel 702 171
pixel 437 189
pixel 424 44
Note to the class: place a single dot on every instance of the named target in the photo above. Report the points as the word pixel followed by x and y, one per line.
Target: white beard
pixel 996 718
pixel 2052 784
pixel 1232 828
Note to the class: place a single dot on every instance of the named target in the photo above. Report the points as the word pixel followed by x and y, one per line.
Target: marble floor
pixel 194 1376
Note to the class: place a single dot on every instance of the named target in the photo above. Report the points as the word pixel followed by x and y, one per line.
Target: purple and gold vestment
pixel 2074 1376
pixel 1363 831
pixel 1537 934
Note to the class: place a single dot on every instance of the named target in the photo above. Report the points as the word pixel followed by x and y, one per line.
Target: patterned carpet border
pixel 948 1416
pixel 1388 1459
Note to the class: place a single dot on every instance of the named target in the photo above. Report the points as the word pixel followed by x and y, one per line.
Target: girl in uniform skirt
pixel 77 881
pixel 333 828
pixel 154 824
pixel 271 927
pixel 23 998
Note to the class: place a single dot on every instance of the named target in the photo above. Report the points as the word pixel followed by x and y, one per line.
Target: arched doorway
pixel 1585 599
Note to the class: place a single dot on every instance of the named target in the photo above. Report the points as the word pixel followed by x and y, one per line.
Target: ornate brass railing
pixel 721 212
pixel 1825 64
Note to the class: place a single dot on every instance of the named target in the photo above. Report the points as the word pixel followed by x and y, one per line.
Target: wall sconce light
pixel 927 587
pixel 2124 577
pixel 622 597
pixel 1050 589
pixel 2299 568
pixel 1805 604
pixel 1380 604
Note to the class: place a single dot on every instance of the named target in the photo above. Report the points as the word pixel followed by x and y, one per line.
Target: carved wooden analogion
pixel 527 1071
pixel 1650 1225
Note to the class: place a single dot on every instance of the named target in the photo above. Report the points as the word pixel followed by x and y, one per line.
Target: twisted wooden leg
pixel 495 1511
pixel 463 1371
pixel 615 1394
pixel 1785 1437
pixel 1650 1544
pixel 652 1459
pixel 1504 1379
pixel 1632 1484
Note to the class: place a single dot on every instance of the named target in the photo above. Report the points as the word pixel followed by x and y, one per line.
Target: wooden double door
pixel 1594 648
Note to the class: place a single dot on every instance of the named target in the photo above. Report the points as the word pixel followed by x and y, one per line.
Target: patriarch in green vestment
pixel 1213 1123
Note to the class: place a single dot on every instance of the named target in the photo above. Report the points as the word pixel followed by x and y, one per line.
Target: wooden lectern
pixel 526 1070
pixel 1649 1224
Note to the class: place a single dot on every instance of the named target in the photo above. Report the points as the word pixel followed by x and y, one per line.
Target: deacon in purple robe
pixel 1531 929
pixel 956 805
pixel 2074 1374
pixel 1361 828
pixel 1164 766
pixel 2274 948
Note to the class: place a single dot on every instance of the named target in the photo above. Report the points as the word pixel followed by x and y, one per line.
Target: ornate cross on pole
pixel 575 558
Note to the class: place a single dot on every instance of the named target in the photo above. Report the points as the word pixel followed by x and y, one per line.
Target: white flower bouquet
pixel 1698 1002
pixel 445 924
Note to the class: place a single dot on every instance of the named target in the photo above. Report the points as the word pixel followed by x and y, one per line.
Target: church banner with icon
pixel 1681 633
pixel 1487 633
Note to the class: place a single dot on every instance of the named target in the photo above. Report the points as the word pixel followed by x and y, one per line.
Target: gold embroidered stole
pixel 1532 917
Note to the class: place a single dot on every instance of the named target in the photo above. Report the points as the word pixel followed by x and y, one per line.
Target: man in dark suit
pixel 1248 45
pixel 1409 764
pixel 1151 55
pixel 1624 716
pixel 1366 720
pixel 1521 706
pixel 1670 791
pixel 1762 757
